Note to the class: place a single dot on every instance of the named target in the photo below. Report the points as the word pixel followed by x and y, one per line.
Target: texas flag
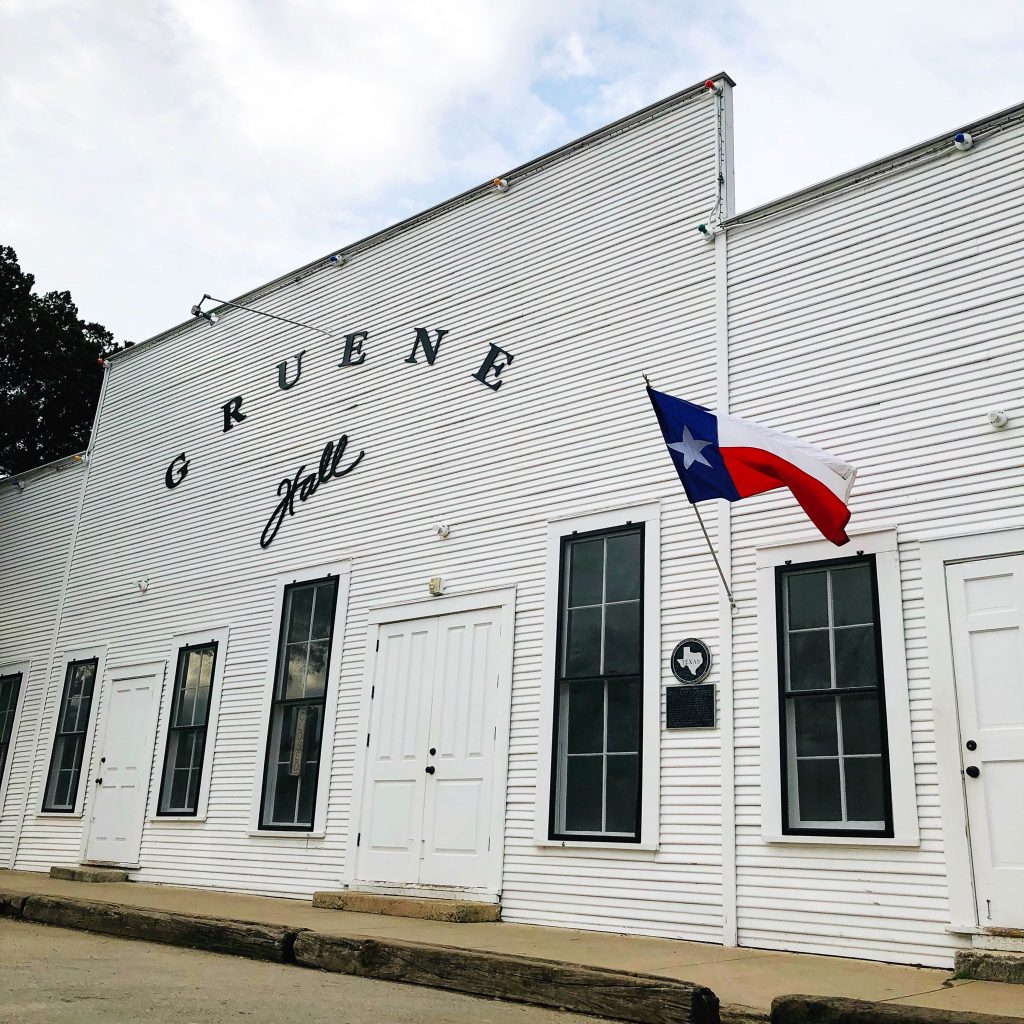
pixel 726 457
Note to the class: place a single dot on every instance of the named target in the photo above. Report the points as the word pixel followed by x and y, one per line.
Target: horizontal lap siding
pixel 881 324
pixel 588 271
pixel 36 526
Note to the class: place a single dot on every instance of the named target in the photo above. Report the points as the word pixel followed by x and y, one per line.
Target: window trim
pixel 883 545
pixel 99 654
pixel 341 570
pixel 647 514
pixel 786 784
pixel 556 797
pixel 197 638
pixel 13 668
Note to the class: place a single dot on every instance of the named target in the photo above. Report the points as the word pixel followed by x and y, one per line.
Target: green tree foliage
pixel 50 371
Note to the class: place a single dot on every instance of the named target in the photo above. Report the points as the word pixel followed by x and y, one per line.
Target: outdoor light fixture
pixel 963 141
pixel 18 485
pixel 198 311
pixel 337 260
pixel 443 530
pixel 713 86
pixel 500 184
pixel 998 418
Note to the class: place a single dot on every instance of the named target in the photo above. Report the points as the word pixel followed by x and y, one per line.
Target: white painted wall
pixel 36 526
pixel 589 270
pixel 881 322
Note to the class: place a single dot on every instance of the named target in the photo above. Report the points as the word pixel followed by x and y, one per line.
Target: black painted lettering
pixel 176 472
pixel 282 372
pixel 354 348
pixel 429 347
pixel 233 413
pixel 491 365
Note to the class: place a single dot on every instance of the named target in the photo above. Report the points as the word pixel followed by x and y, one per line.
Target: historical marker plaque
pixel 690 707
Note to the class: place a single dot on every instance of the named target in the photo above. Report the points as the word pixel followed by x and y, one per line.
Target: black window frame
pixel 263 824
pixel 11 713
pixel 179 675
pixel 84 733
pixel 781 571
pixel 560 677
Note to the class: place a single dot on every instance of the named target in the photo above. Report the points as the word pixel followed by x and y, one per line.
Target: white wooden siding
pixel 881 323
pixel 588 270
pixel 36 526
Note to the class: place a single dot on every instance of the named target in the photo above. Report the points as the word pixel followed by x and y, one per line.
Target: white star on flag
pixel 691 448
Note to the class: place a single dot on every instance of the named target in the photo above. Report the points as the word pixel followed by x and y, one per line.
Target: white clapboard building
pixel 375 578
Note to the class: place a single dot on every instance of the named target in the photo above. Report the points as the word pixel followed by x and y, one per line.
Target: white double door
pixel 121 774
pixel 986 614
pixel 428 792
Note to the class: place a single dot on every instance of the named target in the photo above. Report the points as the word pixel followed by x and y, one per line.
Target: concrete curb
pixel 620 995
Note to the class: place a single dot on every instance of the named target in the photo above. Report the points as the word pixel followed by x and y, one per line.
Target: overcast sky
pixel 153 151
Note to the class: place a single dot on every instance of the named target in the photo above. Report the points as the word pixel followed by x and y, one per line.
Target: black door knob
pixel 430 769
pixel 433 751
pixel 971 745
pixel 973 771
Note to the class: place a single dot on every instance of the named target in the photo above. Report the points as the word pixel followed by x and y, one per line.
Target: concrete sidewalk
pixel 745 980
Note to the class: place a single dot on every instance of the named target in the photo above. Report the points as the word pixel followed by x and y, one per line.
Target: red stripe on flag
pixel 754 471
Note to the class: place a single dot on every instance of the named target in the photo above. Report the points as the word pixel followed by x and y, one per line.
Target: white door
pixel 986 611
pixel 121 779
pixel 427 799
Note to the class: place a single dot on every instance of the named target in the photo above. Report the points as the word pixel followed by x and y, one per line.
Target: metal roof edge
pixel 64 462
pixel 991 124
pixel 438 209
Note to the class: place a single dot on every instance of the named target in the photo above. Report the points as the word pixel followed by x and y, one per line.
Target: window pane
pixel 808 599
pixel 851 595
pixel 624 715
pixel 583 791
pixel 294 678
pixel 622 581
pixel 862 724
pixel 865 795
pixel 322 609
pixel 67 754
pixel 585 717
pixel 622 639
pixel 586 563
pixel 316 669
pixel 815 724
pixel 809 667
pixel 299 611
pixel 583 643
pixel 622 793
pixel 818 788
pixel 856 657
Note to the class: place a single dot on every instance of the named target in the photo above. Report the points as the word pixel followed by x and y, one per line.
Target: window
pixel 10 687
pixel 835 763
pixel 598 689
pixel 186 732
pixel 297 706
pixel 69 740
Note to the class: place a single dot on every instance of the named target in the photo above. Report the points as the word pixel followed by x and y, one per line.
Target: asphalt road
pixel 54 975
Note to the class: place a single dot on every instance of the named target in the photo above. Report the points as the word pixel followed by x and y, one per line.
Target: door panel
pixel 457 813
pixel 389 848
pixel 986 606
pixel 121 779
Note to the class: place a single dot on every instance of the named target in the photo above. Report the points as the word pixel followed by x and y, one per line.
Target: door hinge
pixel 488 844
pixel 367 739
pixel 373 690
pixel 495 732
pixel 377 648
pixel 359 838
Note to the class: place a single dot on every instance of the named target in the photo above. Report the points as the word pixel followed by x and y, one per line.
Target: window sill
pixel 906 842
pixel 553 845
pixel 47 815
pixel 156 819
pixel 269 833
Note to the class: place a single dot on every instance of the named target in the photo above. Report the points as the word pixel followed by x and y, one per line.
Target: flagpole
pixel 704 529
pixel 714 555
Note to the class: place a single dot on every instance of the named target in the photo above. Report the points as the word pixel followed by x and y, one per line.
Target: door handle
pixel 430 769
pixel 973 771
pixel 99 782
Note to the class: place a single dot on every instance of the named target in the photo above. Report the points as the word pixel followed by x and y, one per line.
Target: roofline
pixel 64 462
pixel 985 126
pixel 523 170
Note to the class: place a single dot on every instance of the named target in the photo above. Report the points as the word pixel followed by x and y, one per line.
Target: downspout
pixel 24 812
pixel 724 172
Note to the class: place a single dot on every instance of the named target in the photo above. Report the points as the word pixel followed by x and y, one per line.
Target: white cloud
pixel 153 151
